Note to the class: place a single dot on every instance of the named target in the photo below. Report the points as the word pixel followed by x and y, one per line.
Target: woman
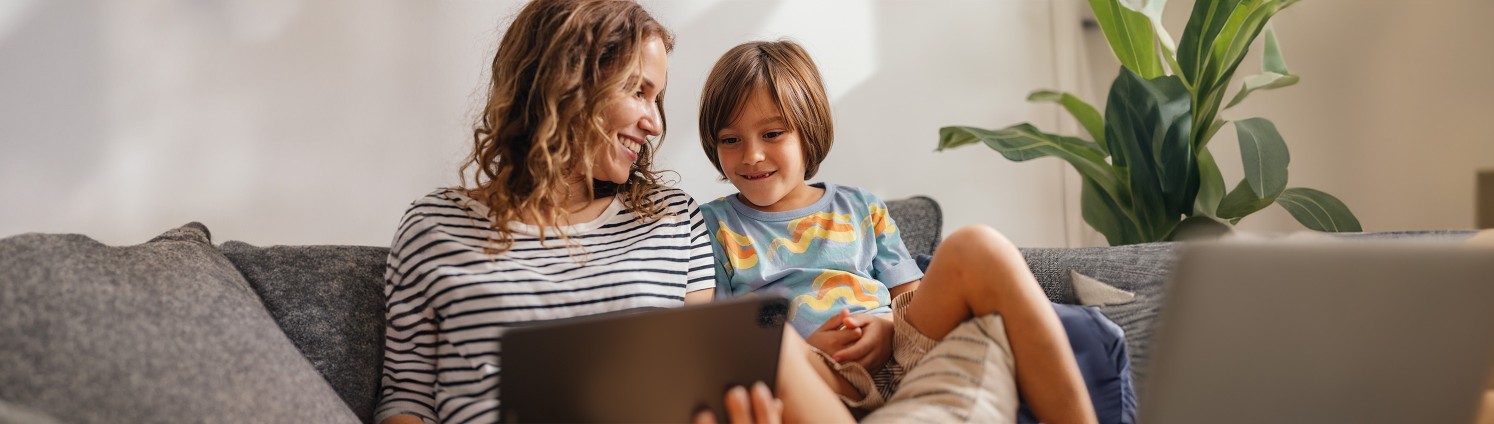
pixel 563 216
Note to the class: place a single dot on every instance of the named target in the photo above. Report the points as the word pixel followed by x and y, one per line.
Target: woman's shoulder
pixel 673 201
pixel 446 201
pixel 442 208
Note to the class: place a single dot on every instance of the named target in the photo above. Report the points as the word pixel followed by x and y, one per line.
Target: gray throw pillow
pixel 164 331
pixel 330 301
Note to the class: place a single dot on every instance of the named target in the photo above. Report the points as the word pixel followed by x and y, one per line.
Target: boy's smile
pixel 764 158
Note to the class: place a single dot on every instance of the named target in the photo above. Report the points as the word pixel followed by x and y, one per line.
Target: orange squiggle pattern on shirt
pixel 820 225
pixel 876 221
pixel 738 248
pixel 834 285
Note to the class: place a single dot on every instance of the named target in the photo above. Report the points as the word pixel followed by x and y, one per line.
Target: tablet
pixel 661 365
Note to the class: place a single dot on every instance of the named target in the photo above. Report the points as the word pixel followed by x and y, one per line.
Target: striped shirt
pixel 448 303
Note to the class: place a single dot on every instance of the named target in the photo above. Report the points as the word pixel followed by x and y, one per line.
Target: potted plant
pixel 1147 172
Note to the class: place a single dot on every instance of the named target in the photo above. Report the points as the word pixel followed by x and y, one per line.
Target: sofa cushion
pixel 19 414
pixel 165 331
pixel 330 301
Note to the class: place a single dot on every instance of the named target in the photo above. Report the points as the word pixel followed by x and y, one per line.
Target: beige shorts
pixel 966 377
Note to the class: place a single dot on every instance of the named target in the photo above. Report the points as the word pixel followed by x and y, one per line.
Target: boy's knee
pixel 980 238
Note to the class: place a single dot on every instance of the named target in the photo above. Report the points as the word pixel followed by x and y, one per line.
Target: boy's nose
pixel 753 153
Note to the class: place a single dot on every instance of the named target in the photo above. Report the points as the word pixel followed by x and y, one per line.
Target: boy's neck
pixel 801 197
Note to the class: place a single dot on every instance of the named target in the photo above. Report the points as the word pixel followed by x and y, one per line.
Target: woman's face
pixel 632 116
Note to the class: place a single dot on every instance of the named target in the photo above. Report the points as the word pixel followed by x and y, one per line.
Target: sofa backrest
pixel 330 299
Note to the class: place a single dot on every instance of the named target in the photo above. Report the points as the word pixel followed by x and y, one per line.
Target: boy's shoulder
pixel 719 206
pixel 852 193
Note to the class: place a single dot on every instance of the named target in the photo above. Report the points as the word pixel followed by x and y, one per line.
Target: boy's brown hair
pixel 789 75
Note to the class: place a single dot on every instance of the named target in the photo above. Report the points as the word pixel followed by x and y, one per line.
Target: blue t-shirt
pixel 842 252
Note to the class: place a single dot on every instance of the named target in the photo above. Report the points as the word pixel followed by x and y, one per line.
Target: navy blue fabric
pixel 1100 349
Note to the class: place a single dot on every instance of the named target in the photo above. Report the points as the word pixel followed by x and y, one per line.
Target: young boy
pixel 834 251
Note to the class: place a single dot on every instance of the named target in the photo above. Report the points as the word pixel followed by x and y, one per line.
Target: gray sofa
pixel 178 329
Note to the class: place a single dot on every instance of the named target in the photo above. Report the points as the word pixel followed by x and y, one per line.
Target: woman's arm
pixel 699 297
pixel 402 419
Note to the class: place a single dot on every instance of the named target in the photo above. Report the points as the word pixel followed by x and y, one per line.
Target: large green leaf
pixel 1274 72
pixel 1215 41
pixel 1107 215
pixel 1152 9
pixel 1203 27
pixel 1210 187
pixel 1130 36
pixel 1139 116
pixel 1264 156
pixel 1024 142
pixel 1087 116
pixel 1318 210
pixel 1241 201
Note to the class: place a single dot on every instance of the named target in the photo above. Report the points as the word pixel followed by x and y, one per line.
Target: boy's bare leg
pixel 978 272
pixel 805 385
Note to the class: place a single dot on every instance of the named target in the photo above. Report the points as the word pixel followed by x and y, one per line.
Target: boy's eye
pixel 728 140
pixel 772 134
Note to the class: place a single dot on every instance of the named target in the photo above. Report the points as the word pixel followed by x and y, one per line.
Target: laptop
pixel 1326 332
pixel 661 365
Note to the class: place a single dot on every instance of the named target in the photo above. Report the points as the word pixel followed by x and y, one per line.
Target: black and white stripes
pixel 448 303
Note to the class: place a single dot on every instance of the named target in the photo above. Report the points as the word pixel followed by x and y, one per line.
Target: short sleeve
pixel 892 265
pixel 719 260
pixel 702 273
pixel 409 379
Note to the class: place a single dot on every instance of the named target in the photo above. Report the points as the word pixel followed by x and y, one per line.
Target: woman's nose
pixel 653 121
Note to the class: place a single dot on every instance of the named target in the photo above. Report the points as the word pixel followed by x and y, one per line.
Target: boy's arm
pixel 718 255
pixel 892 265
pixel 895 269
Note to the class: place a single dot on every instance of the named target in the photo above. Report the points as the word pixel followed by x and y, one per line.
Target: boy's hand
pixel 834 334
pixel 874 346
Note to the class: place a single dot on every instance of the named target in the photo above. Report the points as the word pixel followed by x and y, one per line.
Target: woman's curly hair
pixel 555 72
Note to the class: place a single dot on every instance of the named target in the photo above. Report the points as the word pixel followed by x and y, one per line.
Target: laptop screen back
pixel 1363 332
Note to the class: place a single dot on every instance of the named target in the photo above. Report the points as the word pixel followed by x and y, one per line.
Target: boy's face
pixel 632 116
pixel 763 157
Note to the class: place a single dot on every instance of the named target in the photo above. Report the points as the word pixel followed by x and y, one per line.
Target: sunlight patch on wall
pixel 844 47
pixel 13 13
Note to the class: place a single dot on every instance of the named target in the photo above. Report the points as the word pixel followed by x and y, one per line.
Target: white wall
pixel 316 122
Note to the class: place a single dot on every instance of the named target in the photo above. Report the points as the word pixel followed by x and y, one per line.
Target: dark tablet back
pixel 655 366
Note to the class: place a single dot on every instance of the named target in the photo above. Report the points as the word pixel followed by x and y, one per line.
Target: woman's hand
pixel 761 408
pixel 874 346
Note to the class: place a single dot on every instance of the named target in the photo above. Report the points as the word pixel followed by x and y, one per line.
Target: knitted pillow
pixel 165 331
pixel 330 301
